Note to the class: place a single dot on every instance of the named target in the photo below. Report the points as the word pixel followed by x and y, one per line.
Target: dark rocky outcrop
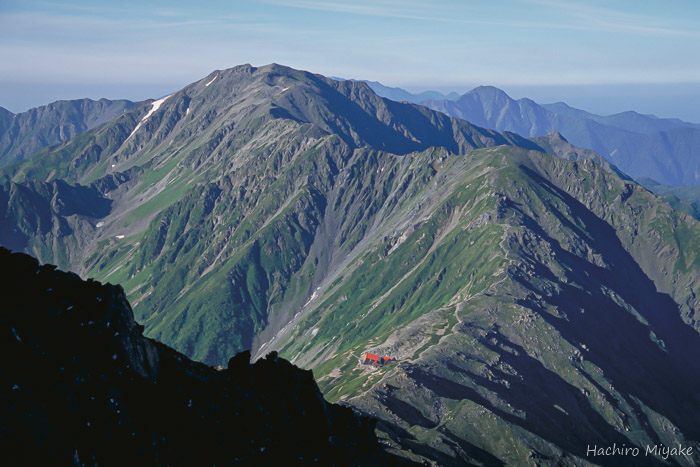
pixel 81 385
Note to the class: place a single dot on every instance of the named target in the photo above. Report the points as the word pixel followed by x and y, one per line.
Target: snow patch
pixel 119 236
pixel 99 224
pixel 283 90
pixel 188 111
pixel 114 165
pixel 314 332
pixel 135 130
pixel 154 106
pixel 212 80
pixel 311 299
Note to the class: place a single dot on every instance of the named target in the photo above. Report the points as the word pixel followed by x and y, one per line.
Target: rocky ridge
pixel 81 385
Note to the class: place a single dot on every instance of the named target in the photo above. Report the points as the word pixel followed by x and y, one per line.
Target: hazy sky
pixel 603 56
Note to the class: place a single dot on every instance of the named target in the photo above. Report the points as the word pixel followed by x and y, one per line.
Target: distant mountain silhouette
pixel 640 145
pixel 22 134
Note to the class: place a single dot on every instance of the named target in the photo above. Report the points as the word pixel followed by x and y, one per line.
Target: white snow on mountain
pixel 155 105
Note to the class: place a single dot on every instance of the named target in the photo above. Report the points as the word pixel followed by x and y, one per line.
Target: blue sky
pixel 603 56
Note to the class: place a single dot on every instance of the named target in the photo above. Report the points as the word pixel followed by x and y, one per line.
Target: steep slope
pixel 50 219
pixel 534 301
pixel 536 306
pixel 687 193
pixel 215 194
pixel 232 105
pixel 640 145
pixel 21 135
pixel 684 198
pixel 80 384
pixel 5 119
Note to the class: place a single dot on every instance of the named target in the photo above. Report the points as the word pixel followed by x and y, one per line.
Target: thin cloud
pixel 385 9
pixel 606 19
pixel 590 18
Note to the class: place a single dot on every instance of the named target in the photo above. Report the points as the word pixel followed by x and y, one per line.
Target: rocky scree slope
pixel 80 384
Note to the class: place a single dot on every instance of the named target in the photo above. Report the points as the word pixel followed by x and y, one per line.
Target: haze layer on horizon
pixel 601 58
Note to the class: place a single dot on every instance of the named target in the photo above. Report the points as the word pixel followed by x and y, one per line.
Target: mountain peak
pixel 555 143
pixel 554 135
pixel 490 91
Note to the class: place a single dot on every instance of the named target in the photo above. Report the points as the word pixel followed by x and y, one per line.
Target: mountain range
pixel 536 299
pixel 644 146
pixel 665 150
pixel 21 135
pixel 399 95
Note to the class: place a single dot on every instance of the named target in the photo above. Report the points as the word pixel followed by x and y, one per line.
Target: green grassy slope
pixel 543 303
pixel 216 192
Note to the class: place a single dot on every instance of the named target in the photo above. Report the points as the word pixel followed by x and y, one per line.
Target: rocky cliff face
pixel 80 384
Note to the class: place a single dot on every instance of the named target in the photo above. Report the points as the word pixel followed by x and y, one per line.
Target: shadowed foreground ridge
pixel 80 384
